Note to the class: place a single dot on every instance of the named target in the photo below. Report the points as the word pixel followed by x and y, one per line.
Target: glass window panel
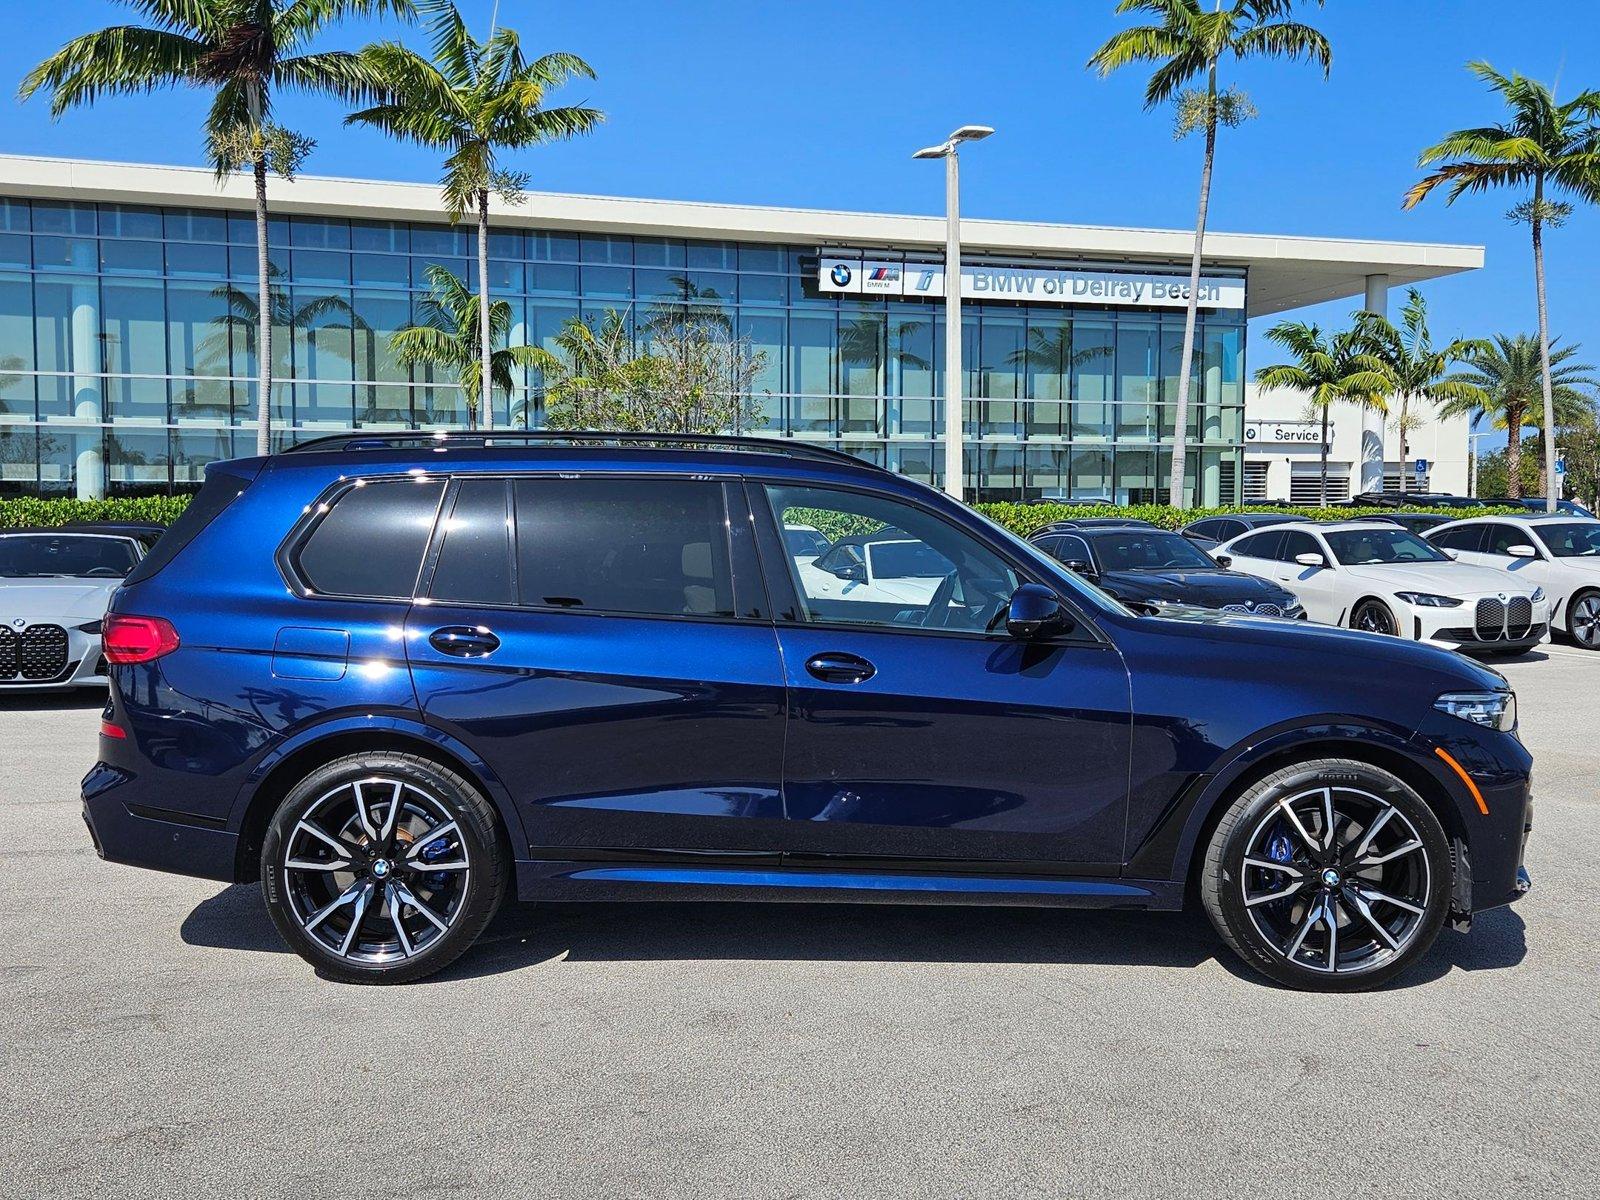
pixel 474 563
pixel 377 317
pixel 553 277
pixel 137 463
pixel 764 334
pixel 812 353
pixel 714 285
pixel 381 270
pixel 1091 474
pixel 553 247
pixel 192 261
pixel 386 405
pixel 321 266
pixel 14 215
pixel 607 281
pixel 134 342
pixel 419 269
pixel 863 347
pixel 440 241
pixel 713 256
pixel 1136 477
pixel 54 216
pixel 130 258
pixel 129 221
pixel 193 449
pixel 19 460
pixel 769 259
pixel 1171 356
pixel 16 344
pixel 506 243
pixel 241 228
pixel 763 289
pixel 66 330
pixel 660 284
pixel 1093 379
pixel 15 250
pixel 201 400
pixel 1000 373
pixel 371 542
pixel 1136 381
pixel 607 248
pixel 66 254
pixel 319 233
pixel 1000 477
pixel 1047 472
pixel 388 236
pixel 242 262
pixel 659 252
pixel 504 275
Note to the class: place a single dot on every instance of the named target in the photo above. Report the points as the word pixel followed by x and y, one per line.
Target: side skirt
pixel 567 881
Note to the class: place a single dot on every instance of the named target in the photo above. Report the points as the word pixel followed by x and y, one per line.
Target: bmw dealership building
pixel 128 308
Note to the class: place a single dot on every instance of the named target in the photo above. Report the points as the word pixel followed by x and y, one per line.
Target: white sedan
pixel 1558 552
pixel 887 569
pixel 1376 577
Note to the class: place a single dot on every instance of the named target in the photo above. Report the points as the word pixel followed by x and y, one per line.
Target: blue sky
pixel 821 103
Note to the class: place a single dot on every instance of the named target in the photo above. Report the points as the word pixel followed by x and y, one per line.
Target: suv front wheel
pixel 1332 875
pixel 382 867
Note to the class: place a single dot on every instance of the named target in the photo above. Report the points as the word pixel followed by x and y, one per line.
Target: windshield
pixel 1362 547
pixel 801 540
pixel 41 555
pixel 1153 551
pixel 908 560
pixel 1581 539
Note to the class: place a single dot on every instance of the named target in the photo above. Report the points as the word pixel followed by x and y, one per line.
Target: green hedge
pixel 1021 519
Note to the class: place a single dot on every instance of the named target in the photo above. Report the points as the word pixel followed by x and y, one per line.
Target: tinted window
pixel 1073 549
pixel 1363 547
pixel 803 540
pixel 655 547
pixel 371 541
pixel 219 491
pixel 907 560
pixel 1502 537
pixel 41 555
pixel 1465 537
pixel 474 564
pixel 1153 551
pixel 1259 545
pixel 1296 544
pixel 1577 540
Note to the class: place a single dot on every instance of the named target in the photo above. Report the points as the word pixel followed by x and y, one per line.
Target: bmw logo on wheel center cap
pixel 1330 877
pixel 380 868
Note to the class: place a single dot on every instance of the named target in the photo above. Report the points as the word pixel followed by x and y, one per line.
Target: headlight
pixel 1429 600
pixel 1492 710
pixel 1538 594
pixel 92 627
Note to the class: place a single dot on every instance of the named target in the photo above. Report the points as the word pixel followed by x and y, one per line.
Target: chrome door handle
pixel 464 641
pixel 840 668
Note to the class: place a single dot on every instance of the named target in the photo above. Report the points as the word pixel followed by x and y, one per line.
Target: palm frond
pixel 1286 39
pixel 122 60
pixel 302 20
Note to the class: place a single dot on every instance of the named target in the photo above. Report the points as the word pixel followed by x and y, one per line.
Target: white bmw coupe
pixel 1558 552
pixel 1373 576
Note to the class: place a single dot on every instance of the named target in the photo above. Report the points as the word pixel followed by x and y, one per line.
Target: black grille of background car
pixel 37 652
pixel 1497 621
pixel 1519 617
pixel 1489 620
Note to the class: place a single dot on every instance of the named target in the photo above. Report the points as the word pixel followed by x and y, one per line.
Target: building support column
pixel 88 384
pixel 1372 421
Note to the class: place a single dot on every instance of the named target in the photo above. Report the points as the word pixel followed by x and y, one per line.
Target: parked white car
pixel 1558 552
pixel 1373 576
pixel 888 568
pixel 805 541
pixel 54 588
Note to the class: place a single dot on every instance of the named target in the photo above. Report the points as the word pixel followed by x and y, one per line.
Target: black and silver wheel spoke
pixel 1335 879
pixel 1586 620
pixel 376 870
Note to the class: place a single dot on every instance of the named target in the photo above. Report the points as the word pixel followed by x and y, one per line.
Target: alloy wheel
pixel 376 870
pixel 1375 618
pixel 1336 879
pixel 1585 621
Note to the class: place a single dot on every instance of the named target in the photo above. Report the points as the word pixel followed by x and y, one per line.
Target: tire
pixel 1274 910
pixel 1583 620
pixel 1373 616
pixel 383 867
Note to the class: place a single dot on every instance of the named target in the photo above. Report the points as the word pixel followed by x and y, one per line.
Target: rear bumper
pixel 153 838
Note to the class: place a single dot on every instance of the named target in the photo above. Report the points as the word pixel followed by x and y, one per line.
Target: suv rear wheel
pixel 1332 875
pixel 382 867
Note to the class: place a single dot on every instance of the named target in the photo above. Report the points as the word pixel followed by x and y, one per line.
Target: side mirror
pixel 1223 560
pixel 1078 567
pixel 1522 552
pixel 1309 560
pixel 851 573
pixel 1036 612
pixel 1451 554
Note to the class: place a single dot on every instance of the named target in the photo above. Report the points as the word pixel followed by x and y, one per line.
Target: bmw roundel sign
pixel 840 275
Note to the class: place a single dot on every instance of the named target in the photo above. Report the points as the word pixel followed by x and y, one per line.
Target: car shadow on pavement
pixel 523 935
pixel 78 698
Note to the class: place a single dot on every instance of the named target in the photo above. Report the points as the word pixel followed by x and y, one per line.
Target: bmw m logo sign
pixel 841 275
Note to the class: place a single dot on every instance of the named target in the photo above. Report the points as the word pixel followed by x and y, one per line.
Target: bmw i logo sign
pixel 840 275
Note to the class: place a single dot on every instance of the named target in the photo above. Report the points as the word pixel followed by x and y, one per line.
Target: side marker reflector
pixel 1450 762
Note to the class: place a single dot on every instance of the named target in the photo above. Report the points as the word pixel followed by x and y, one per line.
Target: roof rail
pixel 440 439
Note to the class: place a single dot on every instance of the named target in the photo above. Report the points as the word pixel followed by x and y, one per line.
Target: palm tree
pixel 1550 147
pixel 1509 378
pixel 1190 43
pixel 472 101
pixel 1415 368
pixel 242 51
pixel 448 336
pixel 1328 369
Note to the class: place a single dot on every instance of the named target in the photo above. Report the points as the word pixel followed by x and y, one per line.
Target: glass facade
pixel 127 352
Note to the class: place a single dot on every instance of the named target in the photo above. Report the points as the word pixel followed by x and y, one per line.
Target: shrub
pixel 35 510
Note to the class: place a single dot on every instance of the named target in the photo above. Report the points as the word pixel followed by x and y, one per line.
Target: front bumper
pixel 84 666
pixel 1498 630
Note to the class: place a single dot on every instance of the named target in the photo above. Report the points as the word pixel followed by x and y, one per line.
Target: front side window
pixel 1368 547
pixel 1503 537
pixel 1577 540
pixel 1259 545
pixel 924 572
pixel 1296 544
pixel 42 555
pixel 371 541
pixel 640 547
pixel 1463 537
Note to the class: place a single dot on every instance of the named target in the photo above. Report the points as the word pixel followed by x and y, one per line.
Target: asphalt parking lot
pixel 156 1039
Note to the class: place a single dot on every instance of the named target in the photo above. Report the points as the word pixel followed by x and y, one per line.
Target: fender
pixel 1169 849
pixel 342 723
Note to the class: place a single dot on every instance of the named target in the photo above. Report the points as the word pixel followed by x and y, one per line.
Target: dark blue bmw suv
pixel 397 677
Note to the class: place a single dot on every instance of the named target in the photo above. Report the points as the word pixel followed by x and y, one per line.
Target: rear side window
pixel 1259 545
pixel 648 547
pixel 219 490
pixel 372 539
pixel 474 564
pixel 1464 537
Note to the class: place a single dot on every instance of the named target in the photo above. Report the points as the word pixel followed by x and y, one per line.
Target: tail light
pixel 111 730
pixel 137 639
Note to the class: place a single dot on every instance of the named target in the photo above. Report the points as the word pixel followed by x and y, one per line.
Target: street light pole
pixel 953 422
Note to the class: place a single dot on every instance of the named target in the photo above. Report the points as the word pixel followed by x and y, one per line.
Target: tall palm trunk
pixel 263 284
pixel 1514 417
pixel 485 375
pixel 1544 348
pixel 1323 494
pixel 1192 310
